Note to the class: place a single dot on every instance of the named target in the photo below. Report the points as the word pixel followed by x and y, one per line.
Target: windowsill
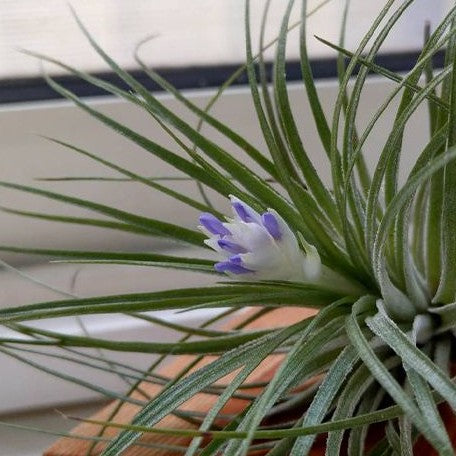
pixel 20 393
pixel 18 442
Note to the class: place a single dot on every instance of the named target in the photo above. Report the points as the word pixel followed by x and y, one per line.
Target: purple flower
pixel 258 246
pixel 213 224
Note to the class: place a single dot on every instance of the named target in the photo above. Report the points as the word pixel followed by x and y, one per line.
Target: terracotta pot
pixel 203 402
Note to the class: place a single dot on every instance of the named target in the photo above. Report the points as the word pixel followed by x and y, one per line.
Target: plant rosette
pixel 372 255
pixel 203 403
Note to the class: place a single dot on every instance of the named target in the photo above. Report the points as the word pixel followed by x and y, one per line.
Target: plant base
pixel 202 402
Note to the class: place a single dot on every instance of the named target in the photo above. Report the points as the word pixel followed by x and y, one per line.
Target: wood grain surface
pixel 201 402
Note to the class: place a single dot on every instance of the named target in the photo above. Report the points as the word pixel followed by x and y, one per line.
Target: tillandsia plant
pixel 375 259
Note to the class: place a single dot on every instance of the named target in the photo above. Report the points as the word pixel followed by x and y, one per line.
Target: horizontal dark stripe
pixel 35 89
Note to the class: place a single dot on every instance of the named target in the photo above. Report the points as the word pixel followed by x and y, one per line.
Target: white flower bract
pixel 259 246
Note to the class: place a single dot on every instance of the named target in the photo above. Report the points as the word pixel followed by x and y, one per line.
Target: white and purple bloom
pixel 259 246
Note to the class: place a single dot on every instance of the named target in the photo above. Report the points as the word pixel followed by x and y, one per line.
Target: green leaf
pixel 383 376
pixel 407 82
pixel 313 181
pixel 361 420
pixel 268 120
pixel 72 435
pixel 175 395
pixel 311 227
pixel 183 299
pixel 144 180
pixel 356 387
pixel 319 407
pixel 447 315
pixel 307 77
pixel 357 437
pixel 391 152
pixel 205 174
pixel 447 288
pixel 395 77
pixel 241 142
pixel 79 221
pixel 402 197
pixel 235 167
pixel 213 346
pixel 428 407
pixel 291 370
pixel 144 259
pixel 336 165
pixel 395 441
pixel 155 227
pixel 388 331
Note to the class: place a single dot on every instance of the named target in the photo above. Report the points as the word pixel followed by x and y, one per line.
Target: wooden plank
pixel 201 402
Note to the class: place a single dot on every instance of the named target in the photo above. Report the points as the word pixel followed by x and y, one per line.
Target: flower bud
pixel 259 247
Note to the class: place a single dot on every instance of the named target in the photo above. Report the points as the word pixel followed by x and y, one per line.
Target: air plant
pixel 375 258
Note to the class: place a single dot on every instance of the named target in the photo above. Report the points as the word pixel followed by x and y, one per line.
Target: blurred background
pixel 196 45
pixel 197 32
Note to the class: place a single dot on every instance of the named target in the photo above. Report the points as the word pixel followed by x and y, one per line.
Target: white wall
pixel 189 32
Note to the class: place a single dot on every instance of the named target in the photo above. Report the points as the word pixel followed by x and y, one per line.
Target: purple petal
pixel 213 224
pixel 242 211
pixel 229 266
pixel 231 247
pixel 236 259
pixel 271 224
